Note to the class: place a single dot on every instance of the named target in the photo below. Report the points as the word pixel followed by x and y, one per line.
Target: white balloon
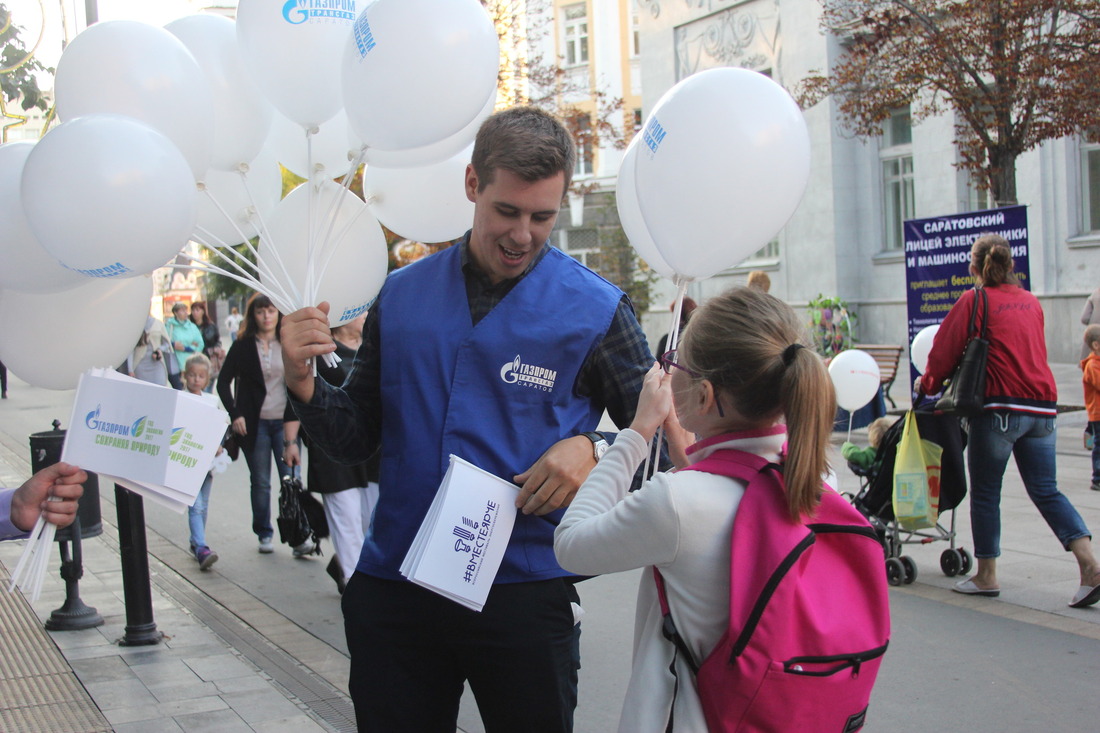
pixel 429 154
pixel 242 116
pixel 26 266
pixel 330 149
pixel 418 71
pixel 109 196
pixel 922 347
pixel 101 322
pixel 426 204
pixel 141 71
pixel 354 261
pixel 630 215
pixel 723 162
pixel 855 376
pixel 247 199
pixel 294 53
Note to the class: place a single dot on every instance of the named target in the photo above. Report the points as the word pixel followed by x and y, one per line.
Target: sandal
pixel 968 587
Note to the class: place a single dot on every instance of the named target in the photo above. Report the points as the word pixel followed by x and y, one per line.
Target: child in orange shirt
pixel 1091 377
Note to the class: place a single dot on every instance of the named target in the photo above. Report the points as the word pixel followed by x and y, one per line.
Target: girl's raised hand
pixel 654 403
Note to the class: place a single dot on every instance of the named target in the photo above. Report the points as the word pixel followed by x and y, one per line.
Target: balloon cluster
pixel 174 134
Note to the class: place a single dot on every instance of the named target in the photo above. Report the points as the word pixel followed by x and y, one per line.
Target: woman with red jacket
pixel 1018 418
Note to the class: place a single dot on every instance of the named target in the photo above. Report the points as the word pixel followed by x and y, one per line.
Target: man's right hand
pixel 304 335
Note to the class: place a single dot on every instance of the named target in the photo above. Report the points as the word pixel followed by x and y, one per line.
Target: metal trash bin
pixel 46 451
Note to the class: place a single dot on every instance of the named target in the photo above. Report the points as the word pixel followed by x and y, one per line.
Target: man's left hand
pixel 553 480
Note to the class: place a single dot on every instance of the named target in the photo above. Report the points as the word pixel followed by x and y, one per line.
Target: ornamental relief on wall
pixel 746 36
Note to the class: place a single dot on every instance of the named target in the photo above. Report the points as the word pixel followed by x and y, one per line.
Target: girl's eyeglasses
pixel 667 361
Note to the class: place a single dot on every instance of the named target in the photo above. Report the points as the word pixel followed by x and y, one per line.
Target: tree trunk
pixel 1002 178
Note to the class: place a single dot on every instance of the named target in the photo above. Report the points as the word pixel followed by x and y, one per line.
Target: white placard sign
pixel 459 547
pixel 157 440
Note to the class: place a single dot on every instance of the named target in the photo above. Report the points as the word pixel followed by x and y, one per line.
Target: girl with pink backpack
pixel 773 613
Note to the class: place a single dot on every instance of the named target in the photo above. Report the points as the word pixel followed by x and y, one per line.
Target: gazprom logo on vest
pixel 299 11
pixel 527 375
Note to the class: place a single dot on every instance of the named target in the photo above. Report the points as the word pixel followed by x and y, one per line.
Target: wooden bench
pixel 887 356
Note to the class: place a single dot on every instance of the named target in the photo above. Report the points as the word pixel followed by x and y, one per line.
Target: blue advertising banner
pixel 937 260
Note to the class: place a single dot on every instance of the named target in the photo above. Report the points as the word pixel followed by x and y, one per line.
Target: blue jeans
pixel 269 442
pixel 994 436
pixel 196 514
pixel 1094 428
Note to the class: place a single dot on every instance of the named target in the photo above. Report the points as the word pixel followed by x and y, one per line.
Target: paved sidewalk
pixel 231 662
pixel 212 672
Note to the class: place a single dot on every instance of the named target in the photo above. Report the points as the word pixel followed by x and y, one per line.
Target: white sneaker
pixel 305 549
pixel 266 547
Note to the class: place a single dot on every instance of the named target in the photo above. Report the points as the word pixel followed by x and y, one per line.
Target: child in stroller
pixel 875 497
pixel 864 458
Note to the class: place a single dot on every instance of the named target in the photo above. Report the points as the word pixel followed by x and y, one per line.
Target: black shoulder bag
pixel 965 394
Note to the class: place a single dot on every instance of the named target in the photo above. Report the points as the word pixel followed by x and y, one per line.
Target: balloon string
pixel 260 265
pixel 198 265
pixel 277 297
pixel 330 252
pixel 311 237
pixel 328 244
pixel 272 254
pixel 673 338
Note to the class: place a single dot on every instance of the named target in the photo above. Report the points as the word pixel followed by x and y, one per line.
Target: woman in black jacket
pixel 252 389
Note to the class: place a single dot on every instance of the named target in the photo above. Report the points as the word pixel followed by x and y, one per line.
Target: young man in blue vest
pixel 504 351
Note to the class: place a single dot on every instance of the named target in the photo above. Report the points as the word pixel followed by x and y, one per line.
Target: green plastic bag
pixel 916 478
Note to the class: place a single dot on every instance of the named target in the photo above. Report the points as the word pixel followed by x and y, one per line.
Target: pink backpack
pixel 809 617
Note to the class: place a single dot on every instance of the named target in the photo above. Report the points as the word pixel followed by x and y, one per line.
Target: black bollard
pixel 141 630
pixel 74 614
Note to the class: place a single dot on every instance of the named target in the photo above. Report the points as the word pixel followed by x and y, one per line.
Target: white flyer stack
pixel 156 441
pixel 459 547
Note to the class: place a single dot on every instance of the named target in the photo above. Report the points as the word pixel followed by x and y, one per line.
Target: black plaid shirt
pixel 347 421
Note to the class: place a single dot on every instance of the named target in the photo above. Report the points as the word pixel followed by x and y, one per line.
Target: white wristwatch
pixel 599 445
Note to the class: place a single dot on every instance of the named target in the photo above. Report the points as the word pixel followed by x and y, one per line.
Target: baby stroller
pixel 875 497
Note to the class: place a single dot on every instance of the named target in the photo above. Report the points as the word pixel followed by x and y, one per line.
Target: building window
pixel 769 251
pixel 581 244
pixel 977 197
pixel 896 156
pixel 582 134
pixel 1090 187
pixel 636 118
pixel 575 34
pixel 635 31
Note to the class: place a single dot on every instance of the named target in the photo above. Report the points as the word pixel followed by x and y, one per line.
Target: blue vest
pixel 497 394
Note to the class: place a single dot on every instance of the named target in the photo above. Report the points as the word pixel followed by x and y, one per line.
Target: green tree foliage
pixel 18 66
pixel 617 261
pixel 1014 72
